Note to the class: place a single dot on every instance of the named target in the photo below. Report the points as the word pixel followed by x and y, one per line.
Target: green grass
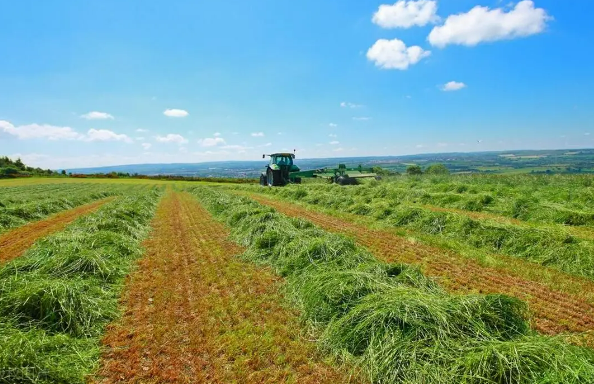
pixel 393 321
pixel 56 299
pixel 545 244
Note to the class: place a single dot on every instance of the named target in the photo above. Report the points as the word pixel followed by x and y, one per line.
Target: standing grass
pixel 399 326
pixel 57 298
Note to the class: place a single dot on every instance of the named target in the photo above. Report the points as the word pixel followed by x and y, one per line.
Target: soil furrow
pixel 15 242
pixel 196 313
pixel 554 311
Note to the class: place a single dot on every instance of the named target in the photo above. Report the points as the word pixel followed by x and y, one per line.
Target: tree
pixel 437 169
pixel 63 172
pixel 414 170
pixel 19 164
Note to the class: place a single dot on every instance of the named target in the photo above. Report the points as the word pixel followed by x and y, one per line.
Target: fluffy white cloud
pixel 405 14
pixel 482 24
pixel 394 54
pixel 175 113
pixel 141 130
pixel 211 141
pixel 453 86
pixel 346 104
pixel 334 142
pixel 172 138
pixel 37 131
pixel 217 134
pixel 97 116
pixel 146 146
pixel 258 134
pixel 50 132
pixel 332 135
pixel 333 125
pixel 106 135
pixel 361 118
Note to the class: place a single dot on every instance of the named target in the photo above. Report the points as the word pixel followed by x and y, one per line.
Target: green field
pixel 374 310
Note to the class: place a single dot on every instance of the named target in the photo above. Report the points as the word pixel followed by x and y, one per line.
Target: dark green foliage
pixel 414 170
pixel 437 169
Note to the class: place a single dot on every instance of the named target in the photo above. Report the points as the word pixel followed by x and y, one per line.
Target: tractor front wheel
pixel 263 180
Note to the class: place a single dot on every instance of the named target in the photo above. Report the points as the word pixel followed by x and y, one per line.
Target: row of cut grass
pixel 397 324
pixel 56 299
pixel 553 247
pixel 18 206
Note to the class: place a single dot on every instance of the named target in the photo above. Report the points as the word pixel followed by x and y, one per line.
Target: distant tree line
pixel 434 169
pixel 16 168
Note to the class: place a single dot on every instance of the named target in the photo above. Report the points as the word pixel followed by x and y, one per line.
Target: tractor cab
pixel 278 171
pixel 282 159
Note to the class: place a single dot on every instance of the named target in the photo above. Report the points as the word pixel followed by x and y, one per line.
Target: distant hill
pixel 525 161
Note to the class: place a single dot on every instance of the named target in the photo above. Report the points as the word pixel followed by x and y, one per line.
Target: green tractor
pixel 281 171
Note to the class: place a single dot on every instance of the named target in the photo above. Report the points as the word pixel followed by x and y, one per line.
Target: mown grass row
pixel 57 298
pixel 559 199
pixel 397 324
pixel 17 209
pixel 548 246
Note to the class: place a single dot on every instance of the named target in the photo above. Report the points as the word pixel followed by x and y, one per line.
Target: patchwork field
pixel 457 279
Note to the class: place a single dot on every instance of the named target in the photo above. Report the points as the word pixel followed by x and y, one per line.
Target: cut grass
pixel 395 324
pixel 56 299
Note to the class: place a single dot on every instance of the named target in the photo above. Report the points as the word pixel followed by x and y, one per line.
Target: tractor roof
pixel 283 154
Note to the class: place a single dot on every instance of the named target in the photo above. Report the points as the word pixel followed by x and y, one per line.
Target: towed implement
pixel 281 171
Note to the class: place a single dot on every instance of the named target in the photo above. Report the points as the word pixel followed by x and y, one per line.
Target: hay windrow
pixel 397 324
pixel 57 298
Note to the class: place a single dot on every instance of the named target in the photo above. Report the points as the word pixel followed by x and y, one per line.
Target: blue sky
pixel 104 82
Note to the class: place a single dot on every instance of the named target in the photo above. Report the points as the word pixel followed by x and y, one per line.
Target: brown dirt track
pixel 554 311
pixel 15 242
pixel 195 313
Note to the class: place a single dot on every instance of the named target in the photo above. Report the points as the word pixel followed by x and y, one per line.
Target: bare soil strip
pixel 195 313
pixel 554 311
pixel 15 242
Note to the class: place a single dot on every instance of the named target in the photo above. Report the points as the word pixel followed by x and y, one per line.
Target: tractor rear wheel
pixel 272 178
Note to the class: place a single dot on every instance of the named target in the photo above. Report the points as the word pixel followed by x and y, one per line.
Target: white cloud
pixel 140 130
pixel 334 142
pixel 37 131
pixel 393 54
pixel 175 113
pixel 146 146
pixel 346 104
pixel 217 134
pixel 50 132
pixel 183 149
pixel 333 125
pixel 338 149
pixel 266 145
pixel 453 86
pixel 211 141
pixel 258 134
pixel 406 14
pixel 106 135
pixel 97 116
pixel 361 118
pixel 172 138
pixel 482 24
pixel 332 135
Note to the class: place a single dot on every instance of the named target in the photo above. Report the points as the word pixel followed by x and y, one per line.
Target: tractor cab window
pixel 282 160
